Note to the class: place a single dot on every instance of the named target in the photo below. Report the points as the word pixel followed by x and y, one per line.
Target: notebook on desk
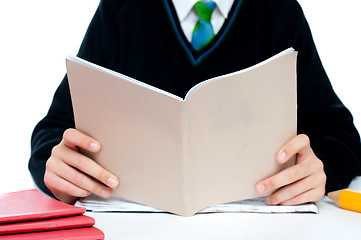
pixel 33 205
pixel 87 233
pixel 47 224
pixel 30 214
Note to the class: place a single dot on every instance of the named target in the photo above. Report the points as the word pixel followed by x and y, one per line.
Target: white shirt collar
pixel 183 7
pixel 224 6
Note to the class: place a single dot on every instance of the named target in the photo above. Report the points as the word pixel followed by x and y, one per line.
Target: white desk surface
pixel 331 223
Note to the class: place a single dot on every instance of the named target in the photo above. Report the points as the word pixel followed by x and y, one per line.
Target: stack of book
pixel 30 214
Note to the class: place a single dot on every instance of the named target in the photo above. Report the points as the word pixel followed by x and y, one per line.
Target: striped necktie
pixel 203 30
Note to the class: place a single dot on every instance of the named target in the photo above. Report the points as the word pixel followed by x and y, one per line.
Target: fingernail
pixel 106 193
pixel 282 157
pixel 94 146
pixel 268 201
pixel 260 188
pixel 112 182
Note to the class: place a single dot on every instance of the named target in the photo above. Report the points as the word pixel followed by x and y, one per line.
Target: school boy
pixel 152 41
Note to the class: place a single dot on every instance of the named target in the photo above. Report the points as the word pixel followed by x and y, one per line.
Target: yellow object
pixel 347 199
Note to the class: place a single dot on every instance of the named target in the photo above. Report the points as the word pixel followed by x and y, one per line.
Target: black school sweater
pixel 143 39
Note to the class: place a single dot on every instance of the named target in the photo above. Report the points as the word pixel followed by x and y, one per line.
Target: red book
pixel 33 205
pixel 47 224
pixel 87 233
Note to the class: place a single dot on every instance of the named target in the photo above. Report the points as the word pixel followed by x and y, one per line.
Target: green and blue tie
pixel 203 30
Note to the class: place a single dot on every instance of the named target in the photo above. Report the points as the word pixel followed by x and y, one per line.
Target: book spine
pixel 187 190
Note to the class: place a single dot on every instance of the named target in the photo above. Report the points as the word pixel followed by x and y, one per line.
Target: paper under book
pixel 95 203
pixel 183 155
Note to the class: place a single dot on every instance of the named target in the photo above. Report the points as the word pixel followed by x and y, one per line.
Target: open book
pixel 183 155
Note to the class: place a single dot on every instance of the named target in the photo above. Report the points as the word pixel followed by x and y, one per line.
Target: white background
pixel 37 35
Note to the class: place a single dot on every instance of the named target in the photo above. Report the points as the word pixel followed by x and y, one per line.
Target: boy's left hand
pixel 303 182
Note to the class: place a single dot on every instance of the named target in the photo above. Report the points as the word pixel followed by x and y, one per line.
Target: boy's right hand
pixel 70 175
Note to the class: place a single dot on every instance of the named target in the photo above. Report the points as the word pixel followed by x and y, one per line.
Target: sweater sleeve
pixel 49 131
pixel 321 115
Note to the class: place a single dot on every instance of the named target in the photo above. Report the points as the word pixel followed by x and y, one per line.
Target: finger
pixel 285 177
pixel 60 186
pixel 81 180
pixel 89 167
pixel 73 138
pixel 290 191
pixel 298 145
pixel 312 195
